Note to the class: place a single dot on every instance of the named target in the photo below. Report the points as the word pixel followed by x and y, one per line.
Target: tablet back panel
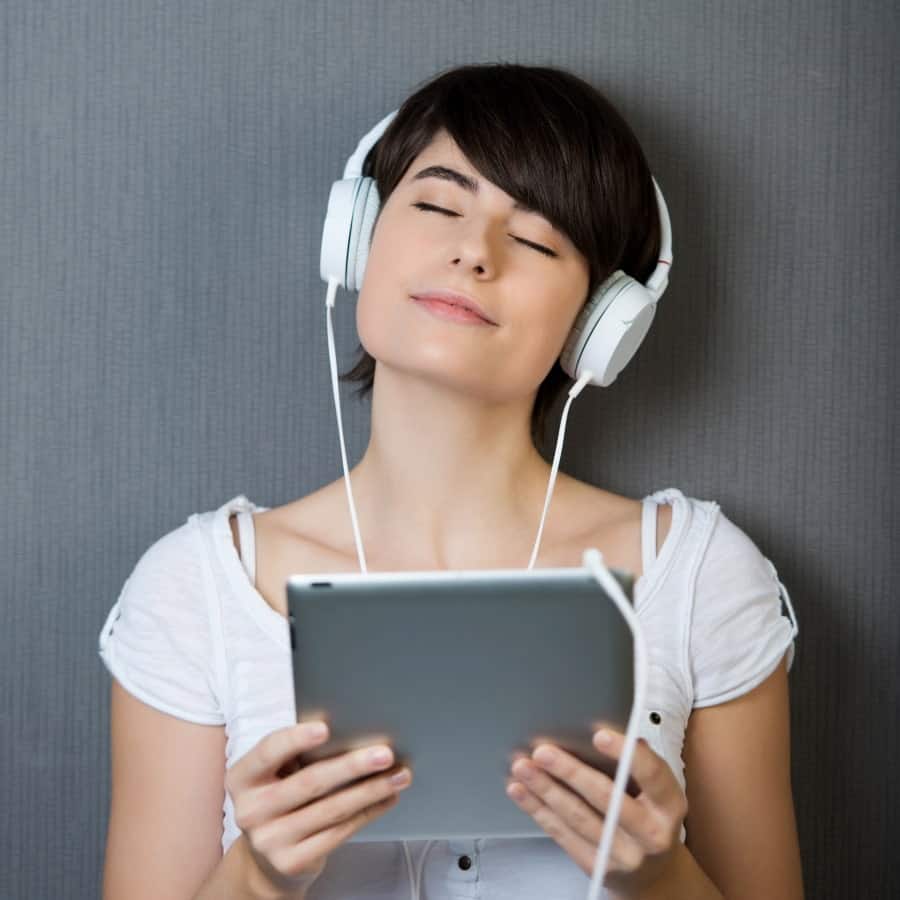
pixel 456 671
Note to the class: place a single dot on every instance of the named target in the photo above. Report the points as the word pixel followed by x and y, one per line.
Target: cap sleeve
pixel 738 633
pixel 157 640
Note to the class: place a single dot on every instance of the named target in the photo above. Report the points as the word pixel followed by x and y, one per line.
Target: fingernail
pixel 603 737
pixel 316 729
pixel 380 756
pixel 545 755
pixel 401 778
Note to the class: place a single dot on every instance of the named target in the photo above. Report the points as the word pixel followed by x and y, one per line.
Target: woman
pixel 523 189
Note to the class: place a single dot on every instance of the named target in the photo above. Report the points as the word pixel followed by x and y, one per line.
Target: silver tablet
pixel 456 671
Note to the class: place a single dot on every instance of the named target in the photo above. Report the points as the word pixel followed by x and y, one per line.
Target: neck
pixel 447 481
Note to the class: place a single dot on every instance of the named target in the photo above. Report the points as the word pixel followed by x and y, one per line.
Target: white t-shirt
pixel 190 635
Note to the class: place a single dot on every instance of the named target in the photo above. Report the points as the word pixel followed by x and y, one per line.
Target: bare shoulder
pixel 307 521
pixel 594 506
pixel 297 537
pixel 302 523
pixel 611 522
pixel 605 509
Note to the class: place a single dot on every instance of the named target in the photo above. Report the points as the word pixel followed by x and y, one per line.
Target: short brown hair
pixel 549 140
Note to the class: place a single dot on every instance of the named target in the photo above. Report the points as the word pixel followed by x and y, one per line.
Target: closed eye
pixel 428 207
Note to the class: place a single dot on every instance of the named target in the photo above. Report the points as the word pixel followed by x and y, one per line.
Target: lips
pixel 455 299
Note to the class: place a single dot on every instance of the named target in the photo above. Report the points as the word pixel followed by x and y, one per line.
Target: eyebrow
pixel 466 183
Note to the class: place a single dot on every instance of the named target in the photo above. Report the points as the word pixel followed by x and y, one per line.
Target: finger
pixel 294 859
pixel 636 816
pixel 275 798
pixel 651 771
pixel 345 805
pixel 274 750
pixel 584 819
pixel 625 854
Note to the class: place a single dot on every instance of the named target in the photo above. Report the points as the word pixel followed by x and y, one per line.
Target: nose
pixel 476 251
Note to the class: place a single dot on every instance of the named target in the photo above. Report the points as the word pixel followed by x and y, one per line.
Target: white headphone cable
pixel 592 559
pixel 332 359
pixel 416 882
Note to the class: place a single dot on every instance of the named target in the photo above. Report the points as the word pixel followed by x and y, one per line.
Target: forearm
pixel 237 877
pixel 684 880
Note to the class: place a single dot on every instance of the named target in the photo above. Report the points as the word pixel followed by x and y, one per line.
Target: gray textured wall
pixel 164 171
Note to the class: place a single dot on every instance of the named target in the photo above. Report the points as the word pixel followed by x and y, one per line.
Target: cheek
pixel 534 358
pixel 367 322
pixel 538 344
pixel 378 282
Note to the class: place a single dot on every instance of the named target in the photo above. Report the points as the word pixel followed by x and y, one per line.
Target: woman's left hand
pixel 569 800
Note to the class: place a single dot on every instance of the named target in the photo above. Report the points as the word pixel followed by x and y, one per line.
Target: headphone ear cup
pixel 336 231
pixel 365 212
pixel 352 209
pixel 609 329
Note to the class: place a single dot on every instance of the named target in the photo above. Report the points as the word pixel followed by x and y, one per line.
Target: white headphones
pixel 610 326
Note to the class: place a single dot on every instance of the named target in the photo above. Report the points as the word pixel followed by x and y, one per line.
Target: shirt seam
pixel 712 513
pixel 748 683
pixel 152 700
pixel 214 617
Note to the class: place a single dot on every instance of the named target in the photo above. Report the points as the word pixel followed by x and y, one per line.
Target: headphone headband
pixel 610 326
pixel 353 168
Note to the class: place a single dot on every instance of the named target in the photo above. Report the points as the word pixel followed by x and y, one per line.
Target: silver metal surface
pixel 456 671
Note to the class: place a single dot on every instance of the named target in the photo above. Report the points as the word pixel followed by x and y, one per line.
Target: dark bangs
pixel 549 140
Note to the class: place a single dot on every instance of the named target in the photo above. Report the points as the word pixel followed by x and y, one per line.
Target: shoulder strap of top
pixel 648 533
pixel 248 551
pixel 648 521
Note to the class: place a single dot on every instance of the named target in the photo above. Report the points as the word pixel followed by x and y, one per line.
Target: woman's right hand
pixel 290 828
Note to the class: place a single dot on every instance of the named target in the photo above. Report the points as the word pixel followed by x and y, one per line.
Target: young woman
pixel 522 189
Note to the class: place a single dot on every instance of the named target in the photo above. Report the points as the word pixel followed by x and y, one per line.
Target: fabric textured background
pixel 164 173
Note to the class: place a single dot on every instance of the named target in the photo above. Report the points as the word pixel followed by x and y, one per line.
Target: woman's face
pixel 482 247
